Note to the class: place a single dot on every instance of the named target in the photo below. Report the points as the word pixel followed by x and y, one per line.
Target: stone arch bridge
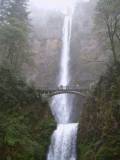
pixel 50 92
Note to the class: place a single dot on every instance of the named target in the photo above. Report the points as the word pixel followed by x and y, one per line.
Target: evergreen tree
pixel 25 122
pixel 14 29
pixel 4 4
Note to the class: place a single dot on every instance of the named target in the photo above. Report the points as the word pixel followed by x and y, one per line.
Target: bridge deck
pixel 52 92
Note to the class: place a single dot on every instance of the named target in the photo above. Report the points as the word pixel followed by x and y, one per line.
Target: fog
pixel 59 5
pixel 46 18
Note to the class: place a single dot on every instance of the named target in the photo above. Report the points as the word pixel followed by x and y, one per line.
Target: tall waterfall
pixel 63 141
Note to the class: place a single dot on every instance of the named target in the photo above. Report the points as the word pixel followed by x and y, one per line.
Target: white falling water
pixel 63 145
pixel 60 104
pixel 63 141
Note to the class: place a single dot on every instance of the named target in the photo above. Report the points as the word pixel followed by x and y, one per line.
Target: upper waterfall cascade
pixel 63 141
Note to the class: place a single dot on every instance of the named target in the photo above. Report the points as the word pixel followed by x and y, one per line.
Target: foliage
pixel 13 90
pixel 25 121
pixel 14 30
pixel 99 133
pixel 100 120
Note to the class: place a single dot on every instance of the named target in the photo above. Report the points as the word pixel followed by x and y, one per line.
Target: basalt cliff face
pixel 87 61
pixel 46 47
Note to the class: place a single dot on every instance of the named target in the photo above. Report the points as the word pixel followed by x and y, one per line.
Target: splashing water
pixel 63 141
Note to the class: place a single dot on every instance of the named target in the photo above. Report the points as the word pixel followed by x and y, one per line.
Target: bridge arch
pixel 65 92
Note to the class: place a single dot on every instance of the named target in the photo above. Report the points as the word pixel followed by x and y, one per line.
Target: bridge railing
pixel 61 88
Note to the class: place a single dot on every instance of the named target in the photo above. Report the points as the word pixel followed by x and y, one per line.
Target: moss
pixel 26 123
pixel 44 136
pixel 25 137
pixel 89 155
pixel 99 124
pixel 108 153
pixel 85 151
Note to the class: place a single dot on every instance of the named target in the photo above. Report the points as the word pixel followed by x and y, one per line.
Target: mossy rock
pixel 107 153
pixel 89 155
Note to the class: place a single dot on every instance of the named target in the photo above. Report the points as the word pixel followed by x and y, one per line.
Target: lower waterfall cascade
pixel 63 140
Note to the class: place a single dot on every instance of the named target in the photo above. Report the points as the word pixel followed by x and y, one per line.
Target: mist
pixel 47 20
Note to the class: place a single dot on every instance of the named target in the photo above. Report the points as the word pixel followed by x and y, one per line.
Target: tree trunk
pixel 113 50
pixel 111 38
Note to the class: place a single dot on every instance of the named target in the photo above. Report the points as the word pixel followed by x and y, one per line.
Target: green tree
pixel 14 33
pixel 25 121
pixel 100 119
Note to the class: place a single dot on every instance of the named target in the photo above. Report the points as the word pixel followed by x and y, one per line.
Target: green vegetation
pixel 99 137
pixel 14 33
pixel 26 123
pixel 99 132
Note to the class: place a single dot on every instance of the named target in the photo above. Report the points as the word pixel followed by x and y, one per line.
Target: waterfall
pixel 63 141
